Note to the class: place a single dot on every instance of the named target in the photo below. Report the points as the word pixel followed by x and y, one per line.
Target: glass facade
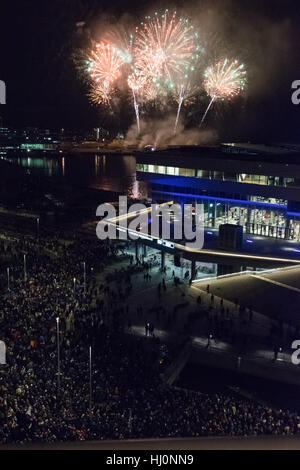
pixel 219 175
pixel 266 222
pixel 258 214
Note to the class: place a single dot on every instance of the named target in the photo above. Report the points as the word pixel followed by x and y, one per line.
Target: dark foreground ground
pixel 205 443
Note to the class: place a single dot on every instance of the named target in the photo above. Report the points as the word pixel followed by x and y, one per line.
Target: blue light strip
pixel 240 201
pixel 293 214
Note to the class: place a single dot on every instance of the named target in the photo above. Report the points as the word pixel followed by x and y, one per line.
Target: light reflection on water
pixel 106 172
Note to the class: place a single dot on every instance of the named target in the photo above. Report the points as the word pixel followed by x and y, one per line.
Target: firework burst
pixel 164 47
pixel 122 41
pixel 137 81
pixel 100 93
pixel 104 68
pixel 225 79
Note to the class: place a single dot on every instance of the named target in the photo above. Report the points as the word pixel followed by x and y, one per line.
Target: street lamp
pixel 90 371
pixel 38 227
pixel 25 271
pixel 74 284
pixel 58 354
pixel 84 278
pixel 210 337
pixel 8 287
pixel 130 421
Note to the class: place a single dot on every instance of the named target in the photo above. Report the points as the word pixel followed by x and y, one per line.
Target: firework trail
pixel 207 109
pixel 137 113
pixel 180 101
pixel 104 68
pixel 185 92
pixel 223 81
pixel 136 82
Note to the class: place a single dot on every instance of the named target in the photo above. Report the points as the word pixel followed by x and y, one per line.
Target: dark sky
pixel 38 37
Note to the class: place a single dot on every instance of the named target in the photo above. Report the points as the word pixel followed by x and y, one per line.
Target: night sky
pixel 39 38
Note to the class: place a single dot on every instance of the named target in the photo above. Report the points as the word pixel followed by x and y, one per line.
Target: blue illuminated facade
pixel 258 190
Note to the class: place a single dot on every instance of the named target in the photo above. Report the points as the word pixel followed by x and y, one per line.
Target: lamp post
pixel 90 373
pixel 25 271
pixel 74 285
pixel 130 422
pixel 8 286
pixel 58 354
pixel 84 278
pixel 210 337
pixel 38 231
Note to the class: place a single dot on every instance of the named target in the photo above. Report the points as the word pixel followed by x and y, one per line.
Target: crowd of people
pixel 73 373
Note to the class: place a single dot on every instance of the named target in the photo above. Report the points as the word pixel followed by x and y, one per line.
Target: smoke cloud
pixel 159 133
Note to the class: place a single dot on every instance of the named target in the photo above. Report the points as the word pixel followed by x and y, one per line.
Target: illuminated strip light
pixel 294 214
pixel 242 273
pixel 159 241
pixel 238 255
pixel 240 201
pixel 131 232
pixel 223 276
pixel 128 215
pixel 145 237
pixel 280 284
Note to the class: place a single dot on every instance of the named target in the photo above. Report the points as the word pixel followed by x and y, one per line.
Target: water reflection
pixel 46 166
pixel 106 172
